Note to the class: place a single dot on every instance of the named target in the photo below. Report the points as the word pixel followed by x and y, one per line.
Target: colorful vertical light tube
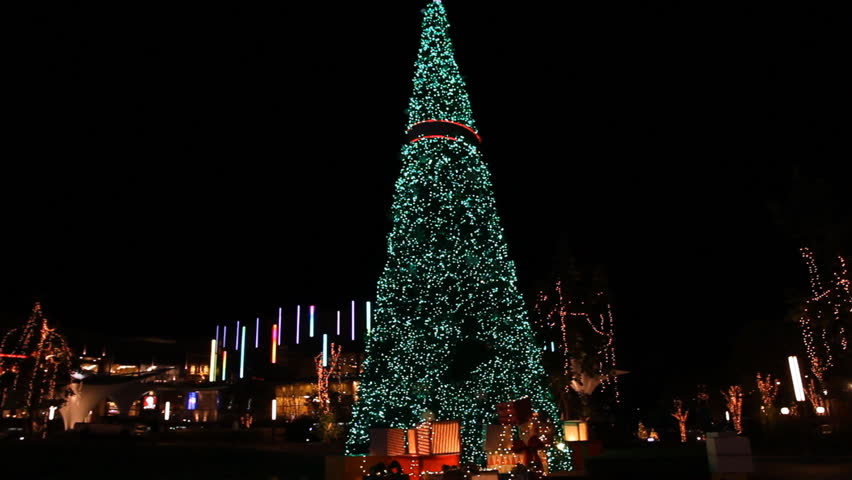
pixel 352 312
pixel 298 321
pixel 369 318
pixel 338 323
pixel 213 348
pixel 274 407
pixel 274 343
pixel 311 312
pixel 217 336
pixel 324 349
pixel 552 346
pixel 279 326
pixel 168 413
pixel 237 340
pixel 224 364
pixel 798 387
pixel 224 336
pixel 257 333
pixel 243 354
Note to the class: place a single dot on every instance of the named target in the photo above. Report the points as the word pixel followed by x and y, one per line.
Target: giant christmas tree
pixel 451 337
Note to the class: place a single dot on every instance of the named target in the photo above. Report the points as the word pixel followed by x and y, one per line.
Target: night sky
pixel 168 168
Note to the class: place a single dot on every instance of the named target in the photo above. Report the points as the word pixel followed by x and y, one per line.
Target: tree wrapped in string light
pixel 576 329
pixel 826 318
pixel 34 359
pixel 681 416
pixel 768 388
pixel 450 331
pixel 734 401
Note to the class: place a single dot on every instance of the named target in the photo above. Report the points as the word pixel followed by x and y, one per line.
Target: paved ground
pixel 224 460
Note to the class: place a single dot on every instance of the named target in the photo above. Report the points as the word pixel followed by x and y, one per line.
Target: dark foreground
pixel 137 459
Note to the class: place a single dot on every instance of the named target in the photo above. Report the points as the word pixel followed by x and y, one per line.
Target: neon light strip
pixel 274 345
pixel 168 411
pixel 298 321
pixel 237 340
pixel 224 364
pixel 311 311
pixel 324 349
pixel 338 322
pixel 212 376
pixel 274 407
pixel 12 355
pixel 243 354
pixel 798 388
pixel 434 136
pixel 224 336
pixel 353 319
pixel 279 326
pixel 449 121
pixel 257 332
pixel 217 333
pixel 369 319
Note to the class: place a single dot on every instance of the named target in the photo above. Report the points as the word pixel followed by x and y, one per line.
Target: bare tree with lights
pixel 681 415
pixel 35 362
pixel 825 320
pixel 734 401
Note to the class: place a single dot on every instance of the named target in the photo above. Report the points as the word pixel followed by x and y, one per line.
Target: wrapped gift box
pixel 387 442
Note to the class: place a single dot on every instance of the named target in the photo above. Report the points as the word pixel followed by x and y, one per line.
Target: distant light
pixel 274 407
pixel 52 413
pixel 552 346
pixel 820 410
pixel 798 388
pixel 168 412
pixel 338 322
pixel 224 364
pixel 785 411
pixel 274 346
pixel 560 446
pixel 369 318
pixel 212 360
pixel 324 349
pixel 257 332
pixel 243 353
pixel 727 416
pixel 279 326
pixel 352 310
pixel 311 311
pixel 298 321
pixel 192 401
pixel 651 439
pixel 237 340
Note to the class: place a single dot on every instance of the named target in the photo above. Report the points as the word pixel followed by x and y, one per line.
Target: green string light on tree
pixel 451 335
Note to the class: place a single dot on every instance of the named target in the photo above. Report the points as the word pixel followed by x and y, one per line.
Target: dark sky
pixel 168 168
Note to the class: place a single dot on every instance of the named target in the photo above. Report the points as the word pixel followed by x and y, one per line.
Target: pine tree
pixel 451 336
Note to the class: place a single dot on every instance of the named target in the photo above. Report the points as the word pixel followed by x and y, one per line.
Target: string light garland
pixel 37 357
pixel 449 332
